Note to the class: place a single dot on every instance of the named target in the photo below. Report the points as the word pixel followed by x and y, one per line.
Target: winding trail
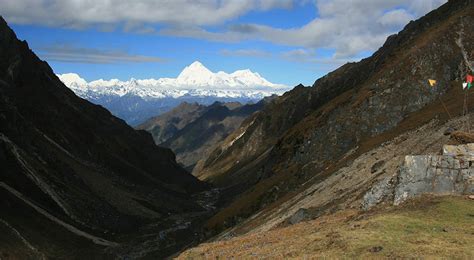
pixel 96 240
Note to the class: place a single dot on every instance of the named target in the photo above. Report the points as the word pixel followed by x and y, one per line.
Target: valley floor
pixel 428 227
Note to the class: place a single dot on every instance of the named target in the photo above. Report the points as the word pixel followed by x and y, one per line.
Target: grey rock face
pixel 447 174
pixel 300 216
pixel 380 192
pixel 439 174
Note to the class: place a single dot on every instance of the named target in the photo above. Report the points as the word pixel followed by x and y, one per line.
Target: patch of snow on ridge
pixel 194 80
pixel 72 80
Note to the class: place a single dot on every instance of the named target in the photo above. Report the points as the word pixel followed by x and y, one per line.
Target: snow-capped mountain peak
pixel 136 100
pixel 73 80
pixel 195 74
pixel 251 78
pixel 194 80
pixel 195 67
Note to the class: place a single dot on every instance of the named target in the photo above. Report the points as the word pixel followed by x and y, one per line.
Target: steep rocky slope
pixel 192 130
pixel 309 133
pixel 328 219
pixel 346 183
pixel 75 180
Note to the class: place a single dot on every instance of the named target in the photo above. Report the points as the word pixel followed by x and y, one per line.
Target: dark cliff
pixel 65 160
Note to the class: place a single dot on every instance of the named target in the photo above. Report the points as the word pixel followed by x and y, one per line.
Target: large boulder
pixel 451 173
pixel 436 174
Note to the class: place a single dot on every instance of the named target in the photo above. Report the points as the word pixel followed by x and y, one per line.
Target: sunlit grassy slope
pixel 430 227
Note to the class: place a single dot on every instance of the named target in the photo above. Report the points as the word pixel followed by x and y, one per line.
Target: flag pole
pixel 434 83
pixel 445 108
pixel 467 113
pixel 464 108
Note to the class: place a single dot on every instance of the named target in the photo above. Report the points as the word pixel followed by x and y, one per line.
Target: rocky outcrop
pixel 451 173
pixel 300 216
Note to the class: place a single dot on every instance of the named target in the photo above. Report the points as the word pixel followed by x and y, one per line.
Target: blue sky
pixel 286 41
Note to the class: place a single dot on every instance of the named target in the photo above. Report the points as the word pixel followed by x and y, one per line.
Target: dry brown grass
pixel 459 137
pixel 430 227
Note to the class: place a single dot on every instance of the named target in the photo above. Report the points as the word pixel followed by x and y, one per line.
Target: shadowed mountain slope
pixel 71 169
pixel 193 130
pixel 166 125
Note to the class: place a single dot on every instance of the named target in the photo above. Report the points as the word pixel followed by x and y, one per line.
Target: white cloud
pixel 74 54
pixel 245 53
pixel 300 55
pixel 347 26
pixel 77 13
pixel 398 17
pixel 311 56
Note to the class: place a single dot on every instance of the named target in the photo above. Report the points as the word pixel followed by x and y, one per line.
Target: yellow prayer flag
pixel 432 82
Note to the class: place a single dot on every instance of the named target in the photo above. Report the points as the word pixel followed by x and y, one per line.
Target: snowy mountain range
pixel 136 100
pixel 194 80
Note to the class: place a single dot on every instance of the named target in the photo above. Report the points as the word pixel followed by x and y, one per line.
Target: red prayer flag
pixel 469 78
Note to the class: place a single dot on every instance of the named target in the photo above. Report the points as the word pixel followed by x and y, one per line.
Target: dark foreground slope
pixel 309 133
pixel 74 179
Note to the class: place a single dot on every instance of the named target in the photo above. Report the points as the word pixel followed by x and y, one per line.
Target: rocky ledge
pixel 451 173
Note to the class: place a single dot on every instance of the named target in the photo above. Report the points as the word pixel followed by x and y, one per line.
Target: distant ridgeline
pixel 137 100
pixel 192 130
